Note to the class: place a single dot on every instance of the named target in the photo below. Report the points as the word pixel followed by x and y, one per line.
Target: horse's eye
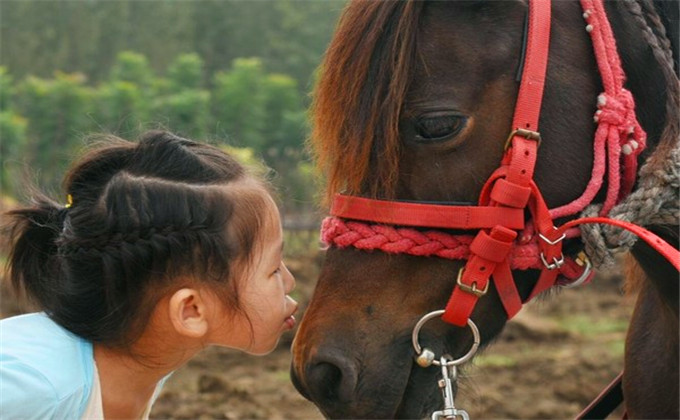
pixel 438 128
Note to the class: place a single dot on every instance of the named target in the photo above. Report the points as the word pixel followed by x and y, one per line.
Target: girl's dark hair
pixel 143 215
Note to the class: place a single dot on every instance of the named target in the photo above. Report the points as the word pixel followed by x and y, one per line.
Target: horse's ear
pixel 669 11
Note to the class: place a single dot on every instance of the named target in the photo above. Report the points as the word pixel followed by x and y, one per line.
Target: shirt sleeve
pixel 26 394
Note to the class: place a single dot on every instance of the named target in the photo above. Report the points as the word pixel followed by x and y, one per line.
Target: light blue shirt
pixel 46 372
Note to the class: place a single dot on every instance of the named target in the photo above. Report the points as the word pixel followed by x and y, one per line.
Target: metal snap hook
pixel 425 357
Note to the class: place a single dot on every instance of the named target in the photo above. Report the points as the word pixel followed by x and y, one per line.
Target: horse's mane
pixel 363 82
pixel 665 50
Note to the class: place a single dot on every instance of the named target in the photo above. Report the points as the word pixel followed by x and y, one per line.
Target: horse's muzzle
pixel 328 378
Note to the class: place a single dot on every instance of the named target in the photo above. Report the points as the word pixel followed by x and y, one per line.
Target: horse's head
pixel 415 102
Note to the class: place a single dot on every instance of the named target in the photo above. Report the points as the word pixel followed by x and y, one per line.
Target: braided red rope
pixel 618 129
pixel 370 237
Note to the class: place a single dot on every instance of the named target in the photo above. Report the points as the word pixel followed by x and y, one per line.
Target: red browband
pixel 503 239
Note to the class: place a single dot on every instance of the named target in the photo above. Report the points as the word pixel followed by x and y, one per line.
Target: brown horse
pixel 414 103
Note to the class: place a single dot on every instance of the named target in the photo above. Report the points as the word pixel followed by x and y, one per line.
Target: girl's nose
pixel 288 279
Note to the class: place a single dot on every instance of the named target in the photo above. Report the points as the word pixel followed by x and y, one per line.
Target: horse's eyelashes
pixel 438 128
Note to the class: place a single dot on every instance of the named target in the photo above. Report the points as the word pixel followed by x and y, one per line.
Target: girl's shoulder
pixel 45 369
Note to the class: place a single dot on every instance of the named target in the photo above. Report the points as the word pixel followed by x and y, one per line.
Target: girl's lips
pixel 290 322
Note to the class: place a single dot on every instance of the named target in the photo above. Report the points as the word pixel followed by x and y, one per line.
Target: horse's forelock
pixel 358 99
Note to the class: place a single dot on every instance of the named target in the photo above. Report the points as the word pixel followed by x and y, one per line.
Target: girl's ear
pixel 188 313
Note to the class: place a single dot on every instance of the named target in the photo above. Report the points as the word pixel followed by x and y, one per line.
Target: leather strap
pixel 662 247
pixel 488 251
pixel 605 403
pixel 530 96
pixel 425 215
pixel 514 190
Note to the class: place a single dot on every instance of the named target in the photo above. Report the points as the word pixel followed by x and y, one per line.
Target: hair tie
pixel 69 201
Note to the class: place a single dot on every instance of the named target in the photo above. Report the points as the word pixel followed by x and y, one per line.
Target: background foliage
pixel 232 73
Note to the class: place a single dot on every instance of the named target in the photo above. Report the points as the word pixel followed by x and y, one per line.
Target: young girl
pixel 164 247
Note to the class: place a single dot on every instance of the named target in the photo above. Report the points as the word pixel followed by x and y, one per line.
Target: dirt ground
pixel 549 362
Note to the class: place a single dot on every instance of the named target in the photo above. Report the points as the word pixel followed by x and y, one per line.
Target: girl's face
pixel 264 294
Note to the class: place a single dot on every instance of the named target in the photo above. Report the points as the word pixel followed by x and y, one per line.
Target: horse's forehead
pixel 464 45
pixel 475 20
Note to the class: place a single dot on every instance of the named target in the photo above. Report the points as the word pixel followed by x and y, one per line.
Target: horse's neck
pixel 654 88
pixel 658 271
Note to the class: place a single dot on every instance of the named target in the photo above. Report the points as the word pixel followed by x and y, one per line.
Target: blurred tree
pixel 301 32
pixel 6 89
pixel 246 156
pixel 39 37
pixel 185 112
pixel 120 108
pixel 283 129
pixel 57 116
pixel 251 108
pixel 134 68
pixel 182 104
pixel 86 35
pixel 123 103
pixel 238 103
pixel 186 72
pixel 12 140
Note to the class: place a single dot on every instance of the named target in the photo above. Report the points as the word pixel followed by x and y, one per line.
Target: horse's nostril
pixel 331 379
pixel 328 379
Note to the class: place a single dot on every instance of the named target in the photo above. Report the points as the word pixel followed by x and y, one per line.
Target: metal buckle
pixel 473 287
pixel 527 134
pixel 557 263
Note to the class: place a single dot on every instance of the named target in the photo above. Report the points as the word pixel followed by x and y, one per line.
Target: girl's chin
pixel 262 350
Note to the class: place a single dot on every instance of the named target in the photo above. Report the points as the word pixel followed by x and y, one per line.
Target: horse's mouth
pixel 421 395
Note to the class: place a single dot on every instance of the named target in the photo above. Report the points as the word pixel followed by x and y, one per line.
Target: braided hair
pixel 144 217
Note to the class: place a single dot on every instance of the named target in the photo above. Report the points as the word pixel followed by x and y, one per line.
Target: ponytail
pixel 33 264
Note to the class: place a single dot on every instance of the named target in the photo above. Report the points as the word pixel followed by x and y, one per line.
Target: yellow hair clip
pixel 69 201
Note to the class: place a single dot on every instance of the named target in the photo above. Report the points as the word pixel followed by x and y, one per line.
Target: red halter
pixel 499 215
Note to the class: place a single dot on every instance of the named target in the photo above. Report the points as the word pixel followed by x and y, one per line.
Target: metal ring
pixel 583 277
pixel 460 360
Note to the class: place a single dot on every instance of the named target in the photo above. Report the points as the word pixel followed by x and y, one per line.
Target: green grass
pixel 589 327
pixel 282 375
pixel 616 348
pixel 495 360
